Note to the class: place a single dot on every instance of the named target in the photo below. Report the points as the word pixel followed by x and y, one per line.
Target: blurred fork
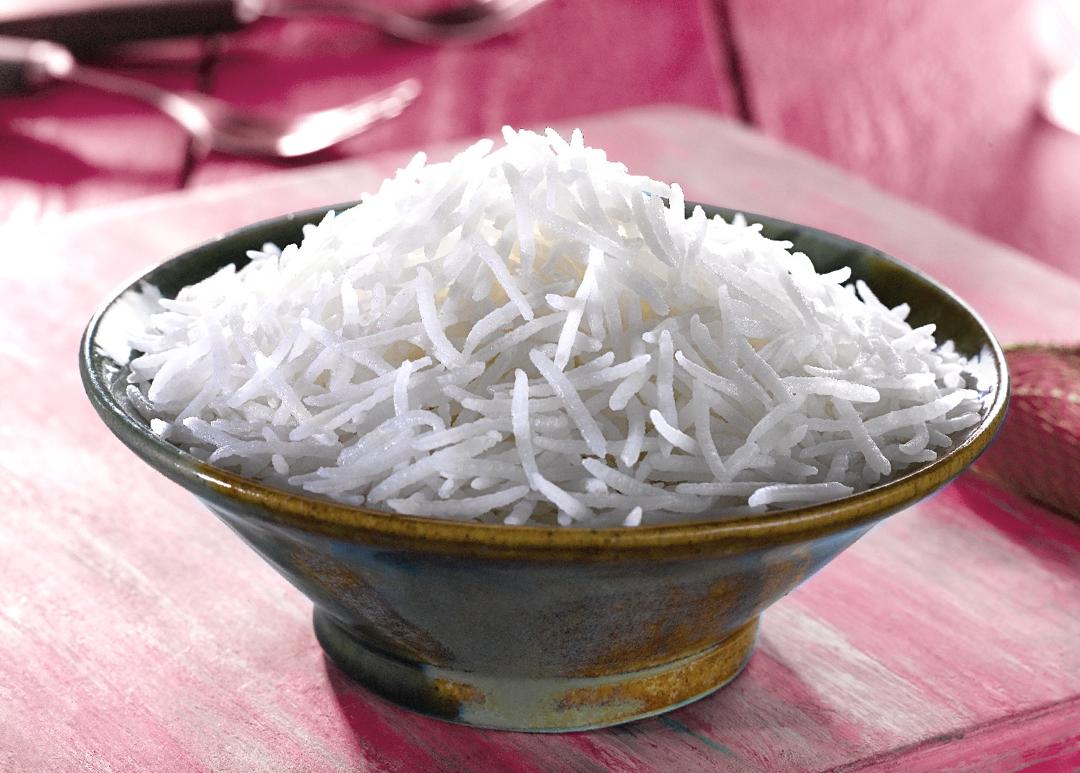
pixel 212 123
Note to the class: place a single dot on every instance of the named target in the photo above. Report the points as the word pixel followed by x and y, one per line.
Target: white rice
pixel 529 335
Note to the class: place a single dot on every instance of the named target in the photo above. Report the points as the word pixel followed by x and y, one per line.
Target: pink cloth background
pixel 932 101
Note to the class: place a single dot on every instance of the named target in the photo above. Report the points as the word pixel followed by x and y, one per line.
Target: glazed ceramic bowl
pixel 531 628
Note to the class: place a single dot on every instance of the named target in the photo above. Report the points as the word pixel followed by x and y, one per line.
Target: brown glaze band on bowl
pixel 535 628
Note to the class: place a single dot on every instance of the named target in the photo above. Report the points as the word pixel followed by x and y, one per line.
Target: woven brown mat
pixel 1037 452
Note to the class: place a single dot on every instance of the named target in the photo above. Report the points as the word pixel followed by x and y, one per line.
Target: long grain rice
pixel 532 335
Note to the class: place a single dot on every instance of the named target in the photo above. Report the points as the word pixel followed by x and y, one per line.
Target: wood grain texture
pixel 136 632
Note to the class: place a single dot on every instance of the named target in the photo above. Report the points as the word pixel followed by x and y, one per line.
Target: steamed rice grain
pixel 532 335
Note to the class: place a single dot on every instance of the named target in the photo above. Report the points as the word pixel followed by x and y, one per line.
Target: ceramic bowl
pixel 529 628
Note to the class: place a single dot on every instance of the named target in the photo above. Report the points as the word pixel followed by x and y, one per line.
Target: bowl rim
pixel 313 514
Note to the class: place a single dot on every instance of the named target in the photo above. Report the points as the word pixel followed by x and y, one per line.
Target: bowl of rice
pixel 539 438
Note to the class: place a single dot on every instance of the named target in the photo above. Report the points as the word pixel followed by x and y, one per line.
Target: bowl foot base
pixel 545 704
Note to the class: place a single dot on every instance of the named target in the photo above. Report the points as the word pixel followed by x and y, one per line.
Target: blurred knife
pixel 82 25
pixel 86 24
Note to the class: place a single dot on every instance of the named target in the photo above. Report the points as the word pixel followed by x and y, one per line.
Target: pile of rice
pixel 531 335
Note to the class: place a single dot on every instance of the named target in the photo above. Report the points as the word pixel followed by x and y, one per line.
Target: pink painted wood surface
pixel 136 632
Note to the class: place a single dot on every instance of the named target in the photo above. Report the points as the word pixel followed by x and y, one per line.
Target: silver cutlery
pixel 213 123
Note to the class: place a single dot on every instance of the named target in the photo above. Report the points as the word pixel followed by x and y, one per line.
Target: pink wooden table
pixel 137 633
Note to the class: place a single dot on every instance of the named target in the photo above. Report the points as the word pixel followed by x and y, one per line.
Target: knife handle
pixel 84 25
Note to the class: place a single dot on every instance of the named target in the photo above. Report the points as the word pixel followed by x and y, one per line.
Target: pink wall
pixel 924 98
pixel 935 101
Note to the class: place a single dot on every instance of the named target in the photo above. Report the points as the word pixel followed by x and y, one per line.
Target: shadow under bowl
pixel 531 628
